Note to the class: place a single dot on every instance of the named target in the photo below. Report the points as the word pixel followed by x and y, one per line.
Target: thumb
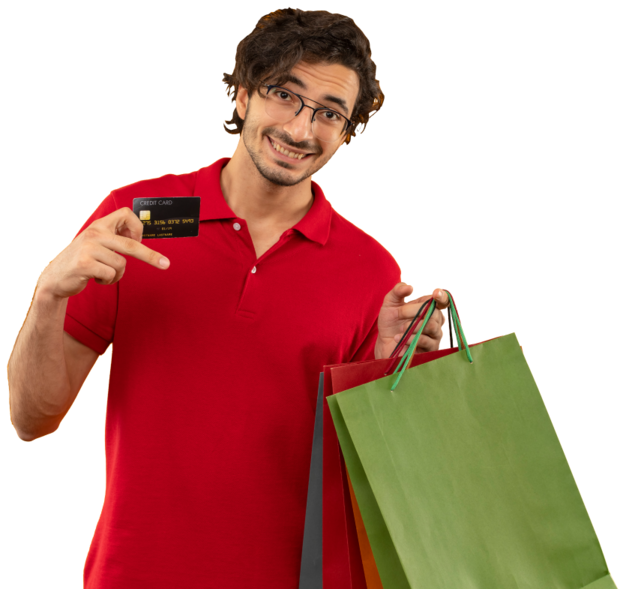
pixel 395 296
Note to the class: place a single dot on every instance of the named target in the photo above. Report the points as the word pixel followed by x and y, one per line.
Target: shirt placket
pixel 253 267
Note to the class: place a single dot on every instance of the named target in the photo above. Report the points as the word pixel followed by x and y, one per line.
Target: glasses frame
pixel 347 124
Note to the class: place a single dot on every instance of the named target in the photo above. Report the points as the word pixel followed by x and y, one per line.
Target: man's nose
pixel 300 127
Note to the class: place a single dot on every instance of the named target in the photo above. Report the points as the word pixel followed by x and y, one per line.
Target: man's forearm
pixel 39 386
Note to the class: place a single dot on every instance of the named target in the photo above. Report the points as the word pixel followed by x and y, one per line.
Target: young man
pixel 219 338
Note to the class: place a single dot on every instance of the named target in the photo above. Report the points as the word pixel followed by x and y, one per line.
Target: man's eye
pixel 282 95
pixel 331 116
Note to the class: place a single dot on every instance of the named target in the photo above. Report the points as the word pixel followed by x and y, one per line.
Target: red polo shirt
pixel 213 388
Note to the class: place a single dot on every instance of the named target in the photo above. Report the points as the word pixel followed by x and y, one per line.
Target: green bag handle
pixel 460 338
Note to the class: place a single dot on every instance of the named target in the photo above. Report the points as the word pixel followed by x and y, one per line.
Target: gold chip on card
pixel 144 215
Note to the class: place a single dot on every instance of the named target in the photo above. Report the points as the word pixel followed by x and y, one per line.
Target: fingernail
pixel 164 262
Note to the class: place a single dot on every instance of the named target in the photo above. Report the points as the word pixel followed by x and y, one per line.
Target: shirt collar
pixel 315 225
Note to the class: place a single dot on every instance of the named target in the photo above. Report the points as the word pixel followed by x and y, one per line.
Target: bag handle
pixel 408 355
pixel 418 317
pixel 407 334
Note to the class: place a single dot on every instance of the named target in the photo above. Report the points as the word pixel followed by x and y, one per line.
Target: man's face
pixel 331 85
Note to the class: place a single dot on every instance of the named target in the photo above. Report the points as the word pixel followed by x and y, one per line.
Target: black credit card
pixel 170 216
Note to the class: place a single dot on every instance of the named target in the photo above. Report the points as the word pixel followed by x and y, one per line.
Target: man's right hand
pixel 92 254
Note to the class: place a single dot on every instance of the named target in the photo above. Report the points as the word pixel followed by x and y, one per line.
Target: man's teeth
pixel 297 156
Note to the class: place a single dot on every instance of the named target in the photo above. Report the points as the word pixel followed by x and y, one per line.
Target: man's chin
pixel 281 178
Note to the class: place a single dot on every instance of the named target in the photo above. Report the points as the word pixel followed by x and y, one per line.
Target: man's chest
pixel 293 297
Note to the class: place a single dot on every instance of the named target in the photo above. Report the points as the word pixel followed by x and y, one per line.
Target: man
pixel 219 339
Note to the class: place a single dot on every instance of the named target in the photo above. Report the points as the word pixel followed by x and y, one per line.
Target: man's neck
pixel 260 202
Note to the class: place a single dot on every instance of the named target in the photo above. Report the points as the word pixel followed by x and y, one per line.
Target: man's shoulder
pixel 166 185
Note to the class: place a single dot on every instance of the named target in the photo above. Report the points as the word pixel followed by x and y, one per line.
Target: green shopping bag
pixel 460 477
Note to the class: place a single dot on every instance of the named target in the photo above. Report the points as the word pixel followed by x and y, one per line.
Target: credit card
pixel 171 216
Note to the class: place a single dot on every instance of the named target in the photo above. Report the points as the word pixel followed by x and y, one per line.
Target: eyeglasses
pixel 284 105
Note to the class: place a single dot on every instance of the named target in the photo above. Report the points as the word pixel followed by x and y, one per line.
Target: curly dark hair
pixel 283 38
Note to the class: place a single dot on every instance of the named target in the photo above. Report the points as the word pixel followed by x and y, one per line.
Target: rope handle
pixel 407 334
pixel 426 315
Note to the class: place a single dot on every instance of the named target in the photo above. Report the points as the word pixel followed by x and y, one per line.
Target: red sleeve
pixel 90 315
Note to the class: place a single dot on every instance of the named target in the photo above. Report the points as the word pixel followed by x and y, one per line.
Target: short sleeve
pixel 91 314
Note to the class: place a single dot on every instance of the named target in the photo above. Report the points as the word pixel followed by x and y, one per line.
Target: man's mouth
pixel 294 155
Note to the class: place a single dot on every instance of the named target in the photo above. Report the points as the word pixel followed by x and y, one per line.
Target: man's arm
pixel 47 366
pixel 46 369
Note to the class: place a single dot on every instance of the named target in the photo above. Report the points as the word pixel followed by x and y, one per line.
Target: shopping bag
pixel 330 549
pixel 335 549
pixel 345 376
pixel 459 475
pixel 370 570
pixel 312 542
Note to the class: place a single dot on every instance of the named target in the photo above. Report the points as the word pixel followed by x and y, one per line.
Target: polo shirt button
pixel 254 270
pixel 237 226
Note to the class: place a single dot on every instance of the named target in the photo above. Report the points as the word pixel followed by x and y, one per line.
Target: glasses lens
pixel 282 105
pixel 328 125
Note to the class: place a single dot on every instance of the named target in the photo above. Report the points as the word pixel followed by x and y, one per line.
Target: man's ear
pixel 242 102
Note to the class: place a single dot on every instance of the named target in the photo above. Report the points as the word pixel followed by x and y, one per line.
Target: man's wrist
pixel 45 299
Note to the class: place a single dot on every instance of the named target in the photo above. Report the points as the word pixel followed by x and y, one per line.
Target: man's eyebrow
pixel 327 98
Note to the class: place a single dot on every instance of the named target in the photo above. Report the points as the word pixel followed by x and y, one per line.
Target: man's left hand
pixel 396 315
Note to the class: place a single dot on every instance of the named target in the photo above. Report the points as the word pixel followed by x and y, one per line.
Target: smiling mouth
pixel 287 153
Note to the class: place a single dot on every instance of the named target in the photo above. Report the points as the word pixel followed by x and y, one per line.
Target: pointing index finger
pixel 142 252
pixel 130 247
pixel 129 226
